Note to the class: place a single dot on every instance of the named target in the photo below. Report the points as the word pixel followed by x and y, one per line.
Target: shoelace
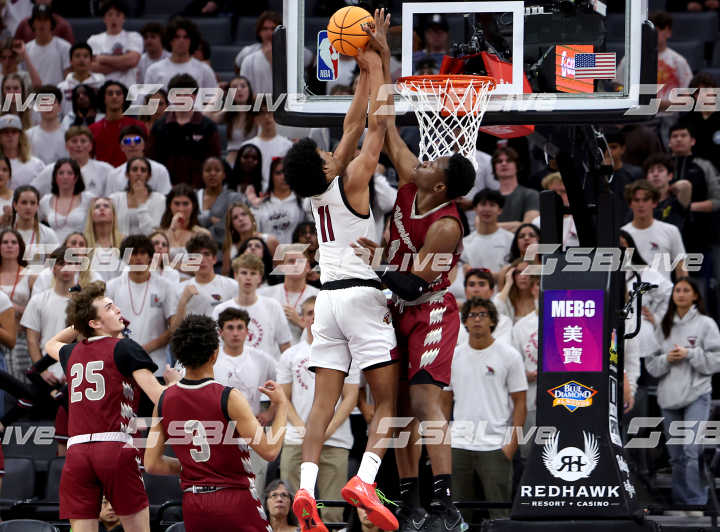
pixel 384 499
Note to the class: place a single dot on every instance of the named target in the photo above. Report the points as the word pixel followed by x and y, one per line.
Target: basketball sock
pixel 369 467
pixel 308 477
pixel 441 489
pixel 409 492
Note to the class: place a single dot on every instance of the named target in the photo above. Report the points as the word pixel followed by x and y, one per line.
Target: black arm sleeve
pixel 405 284
pixel 130 357
pixel 65 355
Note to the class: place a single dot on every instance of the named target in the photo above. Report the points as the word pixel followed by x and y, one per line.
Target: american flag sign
pixel 595 66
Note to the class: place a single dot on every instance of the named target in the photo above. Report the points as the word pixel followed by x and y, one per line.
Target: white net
pixel 449 112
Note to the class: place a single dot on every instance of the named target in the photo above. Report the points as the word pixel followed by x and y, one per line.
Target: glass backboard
pixel 565 61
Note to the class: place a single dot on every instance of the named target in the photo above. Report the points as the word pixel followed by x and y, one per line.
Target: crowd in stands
pixel 201 197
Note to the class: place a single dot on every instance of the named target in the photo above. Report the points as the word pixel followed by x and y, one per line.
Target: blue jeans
pixel 688 484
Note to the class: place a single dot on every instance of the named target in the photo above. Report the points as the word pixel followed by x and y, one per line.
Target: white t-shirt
pixel 502 332
pixel 484 377
pixel 278 293
pixel 268 328
pixel 293 368
pixel 245 372
pixel 63 222
pixel 570 237
pixel 278 146
pixel 163 71
pixel 145 62
pixel 138 220
pixel 26 173
pixel 525 340
pixel 122 43
pixel 148 306
pixel 258 70
pixel 50 60
pixel 45 313
pixel 49 146
pixel 45 278
pixel 279 217
pixel 159 178
pixel 661 240
pixel 487 251
pixel 70 82
pixel 94 175
pixel 33 240
pixel 13 13
pixel 210 294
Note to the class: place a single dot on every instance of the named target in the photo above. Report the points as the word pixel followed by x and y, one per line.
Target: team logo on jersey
pixel 490 372
pixel 216 297
pixel 692 340
pixel 328 58
pixel 572 395
pixel 387 319
pixel 571 463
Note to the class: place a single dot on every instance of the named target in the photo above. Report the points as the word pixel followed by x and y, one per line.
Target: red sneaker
pixel 305 509
pixel 362 494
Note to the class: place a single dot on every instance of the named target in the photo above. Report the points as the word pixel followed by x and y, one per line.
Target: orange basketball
pixel 345 32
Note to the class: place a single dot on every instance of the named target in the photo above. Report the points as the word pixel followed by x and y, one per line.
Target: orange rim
pixel 459 81
pixel 455 86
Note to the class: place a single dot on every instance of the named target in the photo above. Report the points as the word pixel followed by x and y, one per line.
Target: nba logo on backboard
pixel 328 58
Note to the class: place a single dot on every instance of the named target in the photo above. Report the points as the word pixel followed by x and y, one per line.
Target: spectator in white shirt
pixel 133 141
pixel 488 246
pixel 489 373
pixel 117 52
pixel 139 208
pixel 15 96
pixel 246 369
pixel 49 54
pixel 6 192
pixel 271 144
pixel 12 53
pixel 152 34
pixel 298 383
pixel 294 290
pixel 147 300
pixel 79 144
pixel 268 329
pixel 258 69
pixel 15 146
pixel 44 315
pixel 161 258
pixel 65 208
pixel 659 243
pixel 25 220
pixel 81 57
pixel 206 290
pixel 240 125
pixel 182 38
pixel 480 283
pixel 517 298
pixel 47 139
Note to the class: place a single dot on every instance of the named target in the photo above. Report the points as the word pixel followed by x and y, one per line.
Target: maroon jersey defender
pixel 427 328
pixel 194 413
pixel 103 396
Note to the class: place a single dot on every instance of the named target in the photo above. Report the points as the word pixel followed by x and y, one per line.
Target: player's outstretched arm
pixel 155 461
pixel 354 123
pixel 247 426
pixel 66 336
pixel 362 168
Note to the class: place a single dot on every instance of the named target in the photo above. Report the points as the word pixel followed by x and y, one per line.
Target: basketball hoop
pixel 449 111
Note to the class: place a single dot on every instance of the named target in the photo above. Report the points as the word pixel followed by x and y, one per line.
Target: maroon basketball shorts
pixel 427 336
pixel 236 509
pixel 92 469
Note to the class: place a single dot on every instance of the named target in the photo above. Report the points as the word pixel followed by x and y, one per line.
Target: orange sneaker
pixel 362 494
pixel 305 509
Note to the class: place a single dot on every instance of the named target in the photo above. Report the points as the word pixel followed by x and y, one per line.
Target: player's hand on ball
pixel 274 392
pixel 378 32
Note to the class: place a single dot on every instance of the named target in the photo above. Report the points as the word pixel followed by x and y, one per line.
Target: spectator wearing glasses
pixel 182 38
pixel 47 139
pixel 12 53
pixel 277 501
pixel 113 102
pixel 117 52
pixel 152 34
pixel 490 373
pixel 81 57
pixel 133 143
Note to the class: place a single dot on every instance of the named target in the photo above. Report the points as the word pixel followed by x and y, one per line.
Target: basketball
pixel 345 31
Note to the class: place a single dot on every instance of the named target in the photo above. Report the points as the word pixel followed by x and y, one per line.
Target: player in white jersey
pixel 352 321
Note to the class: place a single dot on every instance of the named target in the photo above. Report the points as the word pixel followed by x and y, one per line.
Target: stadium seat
pixel 52 488
pixel 223 57
pixel 19 480
pixel 177 527
pixel 716 55
pixel 245 29
pixel 214 30
pixel 163 8
pixel 40 453
pixel 225 75
pixel 312 26
pixel 694 27
pixel 616 27
pixel 222 132
pixel 136 24
pixel 714 72
pixel 692 51
pixel 83 28
pixel 161 489
pixel 657 5
pixel 27 525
